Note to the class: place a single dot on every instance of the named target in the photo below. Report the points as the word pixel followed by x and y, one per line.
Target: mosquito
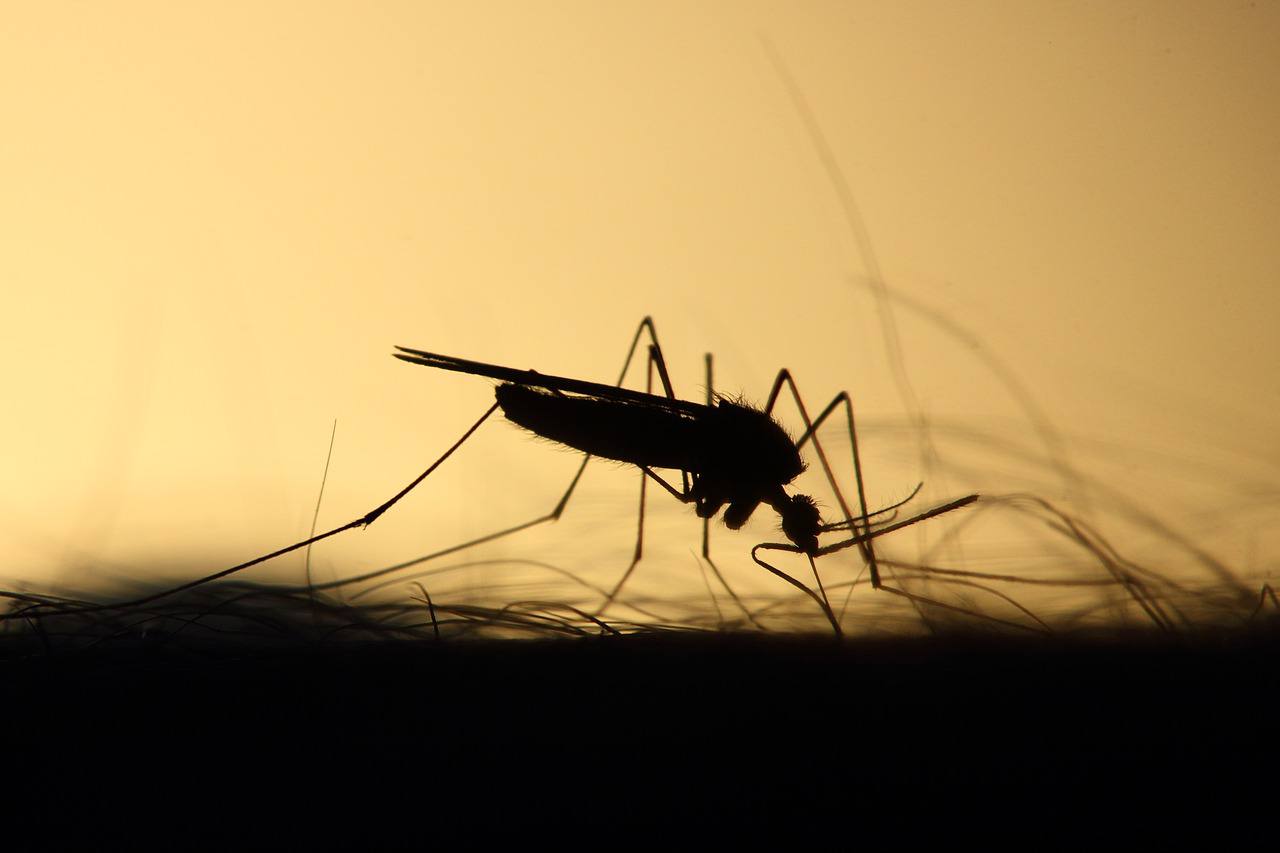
pixel 731 456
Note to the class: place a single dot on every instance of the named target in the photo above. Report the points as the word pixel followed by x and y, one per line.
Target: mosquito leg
pixel 810 434
pixel 706 522
pixel 635 556
pixel 363 521
pixel 858 539
pixel 646 325
pixel 658 363
pixel 867 536
pixel 1262 600
pixel 820 599
pixel 375 513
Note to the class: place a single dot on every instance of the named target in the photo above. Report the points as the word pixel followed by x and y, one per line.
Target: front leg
pixel 690 495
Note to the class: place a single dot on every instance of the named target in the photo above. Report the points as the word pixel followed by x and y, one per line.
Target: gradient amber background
pixel 216 220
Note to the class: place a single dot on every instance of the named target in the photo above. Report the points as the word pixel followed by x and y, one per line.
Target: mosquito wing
pixel 534 379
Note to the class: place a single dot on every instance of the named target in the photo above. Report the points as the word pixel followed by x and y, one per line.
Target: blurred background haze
pixel 217 219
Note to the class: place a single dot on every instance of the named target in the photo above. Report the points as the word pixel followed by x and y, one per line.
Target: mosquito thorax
pixel 748 447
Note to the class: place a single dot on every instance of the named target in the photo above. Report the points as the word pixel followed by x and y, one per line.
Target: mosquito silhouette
pixel 730 455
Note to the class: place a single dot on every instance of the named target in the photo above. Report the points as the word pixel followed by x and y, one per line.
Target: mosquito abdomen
pixel 627 432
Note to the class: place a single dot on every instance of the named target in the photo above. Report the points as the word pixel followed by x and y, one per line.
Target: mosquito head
pixel 800 521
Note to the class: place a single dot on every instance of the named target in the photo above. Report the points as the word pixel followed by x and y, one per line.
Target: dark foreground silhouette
pixel 670 739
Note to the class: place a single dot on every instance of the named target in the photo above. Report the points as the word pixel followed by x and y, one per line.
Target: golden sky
pixel 216 220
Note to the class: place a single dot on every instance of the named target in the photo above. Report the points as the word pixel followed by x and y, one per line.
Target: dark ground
pixel 673 741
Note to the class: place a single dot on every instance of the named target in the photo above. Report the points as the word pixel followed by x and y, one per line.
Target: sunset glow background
pixel 217 219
